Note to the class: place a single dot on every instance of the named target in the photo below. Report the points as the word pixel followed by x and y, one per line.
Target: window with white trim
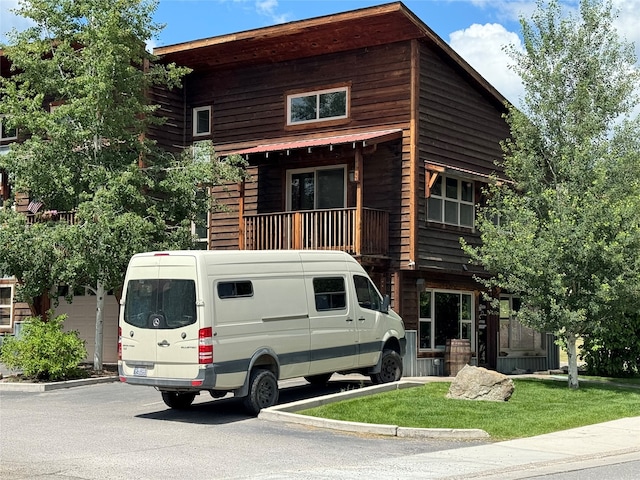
pixel 200 229
pixel 444 315
pixel 6 305
pixel 6 132
pixel 513 334
pixel 451 201
pixel 202 121
pixel 318 106
pixel 202 151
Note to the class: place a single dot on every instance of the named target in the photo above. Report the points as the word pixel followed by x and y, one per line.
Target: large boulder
pixel 476 383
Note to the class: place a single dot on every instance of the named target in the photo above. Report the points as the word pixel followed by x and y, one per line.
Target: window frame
pixel 443 199
pixel 291 172
pixel 317 93
pixel 2 131
pixel 9 306
pixel 235 284
pixel 330 294
pixel 538 343
pixel 202 242
pixel 195 123
pixel 432 320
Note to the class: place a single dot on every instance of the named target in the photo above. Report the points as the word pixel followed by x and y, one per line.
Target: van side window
pixel 330 294
pixel 368 296
pixel 235 289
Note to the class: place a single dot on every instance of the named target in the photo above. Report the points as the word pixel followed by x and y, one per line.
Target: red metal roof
pixel 364 137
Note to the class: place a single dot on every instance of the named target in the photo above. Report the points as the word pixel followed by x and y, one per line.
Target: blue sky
pixel 477 29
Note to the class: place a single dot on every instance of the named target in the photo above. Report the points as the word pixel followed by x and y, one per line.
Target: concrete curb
pixel 286 413
pixel 49 386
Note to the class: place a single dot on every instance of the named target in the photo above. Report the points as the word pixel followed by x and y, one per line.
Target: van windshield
pixel 160 303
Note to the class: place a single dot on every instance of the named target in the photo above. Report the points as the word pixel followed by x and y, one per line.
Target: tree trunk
pixel 97 354
pixel 572 355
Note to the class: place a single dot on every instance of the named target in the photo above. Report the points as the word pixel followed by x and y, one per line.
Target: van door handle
pixel 349 319
pixel 361 319
pixel 163 343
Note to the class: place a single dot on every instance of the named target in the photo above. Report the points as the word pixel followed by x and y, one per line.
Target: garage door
pixel 81 316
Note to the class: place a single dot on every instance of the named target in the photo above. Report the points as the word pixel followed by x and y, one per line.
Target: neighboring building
pixel 364 132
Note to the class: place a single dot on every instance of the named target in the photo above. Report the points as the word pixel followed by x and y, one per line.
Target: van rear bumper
pixel 205 380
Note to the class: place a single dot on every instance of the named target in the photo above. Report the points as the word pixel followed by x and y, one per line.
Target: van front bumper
pixel 206 380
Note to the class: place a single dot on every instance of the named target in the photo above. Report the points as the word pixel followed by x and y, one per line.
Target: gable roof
pixel 362 28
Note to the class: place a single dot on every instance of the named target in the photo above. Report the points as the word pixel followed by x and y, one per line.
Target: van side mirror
pixel 385 304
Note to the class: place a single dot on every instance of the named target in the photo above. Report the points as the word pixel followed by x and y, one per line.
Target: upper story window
pixel 318 106
pixel 202 121
pixel 452 201
pixel 7 133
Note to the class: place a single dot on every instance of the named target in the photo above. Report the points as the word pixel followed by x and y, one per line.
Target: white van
pixel 239 321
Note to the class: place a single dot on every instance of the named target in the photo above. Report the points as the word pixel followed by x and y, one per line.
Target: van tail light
pixel 119 343
pixel 205 345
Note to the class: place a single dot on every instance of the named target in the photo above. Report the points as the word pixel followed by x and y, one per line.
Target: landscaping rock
pixel 476 383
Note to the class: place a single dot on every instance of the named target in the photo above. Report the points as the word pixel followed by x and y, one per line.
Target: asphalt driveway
pixel 118 431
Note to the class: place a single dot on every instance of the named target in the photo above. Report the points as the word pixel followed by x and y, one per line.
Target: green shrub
pixel 44 351
pixel 614 350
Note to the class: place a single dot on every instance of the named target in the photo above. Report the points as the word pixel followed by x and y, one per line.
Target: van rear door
pixel 159 325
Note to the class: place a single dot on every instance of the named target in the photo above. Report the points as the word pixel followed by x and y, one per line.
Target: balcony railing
pixel 334 229
pixel 51 216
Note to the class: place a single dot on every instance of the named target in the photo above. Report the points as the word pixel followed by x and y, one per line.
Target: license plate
pixel 140 371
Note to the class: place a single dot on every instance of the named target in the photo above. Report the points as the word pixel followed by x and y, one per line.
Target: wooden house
pixel 364 132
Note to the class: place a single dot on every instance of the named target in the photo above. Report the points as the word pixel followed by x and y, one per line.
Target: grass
pixel 536 407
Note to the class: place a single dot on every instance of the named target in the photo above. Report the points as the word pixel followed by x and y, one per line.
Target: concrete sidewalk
pixel 577 449
pixel 584 447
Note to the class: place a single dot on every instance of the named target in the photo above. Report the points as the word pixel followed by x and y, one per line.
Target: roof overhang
pixel 366 27
pixel 361 138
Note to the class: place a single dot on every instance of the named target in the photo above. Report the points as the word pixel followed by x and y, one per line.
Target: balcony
pixel 335 229
pixel 51 216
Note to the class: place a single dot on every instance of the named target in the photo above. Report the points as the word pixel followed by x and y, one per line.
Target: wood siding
pixel 249 104
pixel 171 134
pixel 461 128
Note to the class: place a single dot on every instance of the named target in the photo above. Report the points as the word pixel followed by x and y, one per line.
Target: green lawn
pixel 536 407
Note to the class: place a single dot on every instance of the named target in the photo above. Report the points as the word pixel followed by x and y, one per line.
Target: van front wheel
pixel 263 391
pixel 179 401
pixel 390 369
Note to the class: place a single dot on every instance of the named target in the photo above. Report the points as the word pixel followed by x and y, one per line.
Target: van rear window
pixel 160 303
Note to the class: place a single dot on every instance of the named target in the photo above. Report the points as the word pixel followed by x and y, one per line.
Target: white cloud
pixel 627 21
pixel 9 20
pixel 482 46
pixel 269 8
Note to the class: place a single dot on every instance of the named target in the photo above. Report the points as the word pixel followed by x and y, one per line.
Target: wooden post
pixel 297 231
pixel 358 171
pixel 241 240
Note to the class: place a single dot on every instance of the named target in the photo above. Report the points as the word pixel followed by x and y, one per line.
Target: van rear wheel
pixel 263 391
pixel 390 369
pixel 179 401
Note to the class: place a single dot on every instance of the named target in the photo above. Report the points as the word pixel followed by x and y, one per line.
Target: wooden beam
pixel 414 154
pixel 241 232
pixel 357 174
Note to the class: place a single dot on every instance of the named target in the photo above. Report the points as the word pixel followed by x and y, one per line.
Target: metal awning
pixel 366 138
